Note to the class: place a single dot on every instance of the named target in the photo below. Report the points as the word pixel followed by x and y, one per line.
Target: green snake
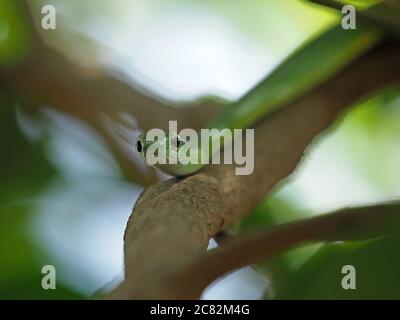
pixel 302 71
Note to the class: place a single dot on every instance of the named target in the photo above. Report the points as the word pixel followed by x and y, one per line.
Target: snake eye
pixel 177 142
pixel 139 146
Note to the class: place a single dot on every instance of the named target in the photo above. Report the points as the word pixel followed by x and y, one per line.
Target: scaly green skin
pixel 302 71
pixel 306 68
pixel 168 153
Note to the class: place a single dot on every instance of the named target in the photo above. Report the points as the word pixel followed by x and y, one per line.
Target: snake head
pixel 167 148
pixel 172 144
pixel 142 146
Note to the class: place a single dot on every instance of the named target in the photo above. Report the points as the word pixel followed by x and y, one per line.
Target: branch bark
pixel 173 221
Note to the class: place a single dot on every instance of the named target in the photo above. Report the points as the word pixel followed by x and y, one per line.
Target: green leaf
pixel 15 36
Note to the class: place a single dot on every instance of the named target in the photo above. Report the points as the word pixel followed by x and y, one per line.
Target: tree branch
pixel 347 224
pixel 173 221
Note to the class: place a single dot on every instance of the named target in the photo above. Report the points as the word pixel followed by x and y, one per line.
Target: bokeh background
pixel 73 100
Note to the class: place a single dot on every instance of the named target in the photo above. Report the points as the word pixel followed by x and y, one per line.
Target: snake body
pixel 306 68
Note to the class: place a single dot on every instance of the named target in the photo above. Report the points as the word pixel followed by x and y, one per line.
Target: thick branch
pixel 173 221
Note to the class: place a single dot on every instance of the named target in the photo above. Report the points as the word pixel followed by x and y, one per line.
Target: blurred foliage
pixel 258 21
pixel 24 172
pixel 369 136
pixel 14 33
pixel 377 265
